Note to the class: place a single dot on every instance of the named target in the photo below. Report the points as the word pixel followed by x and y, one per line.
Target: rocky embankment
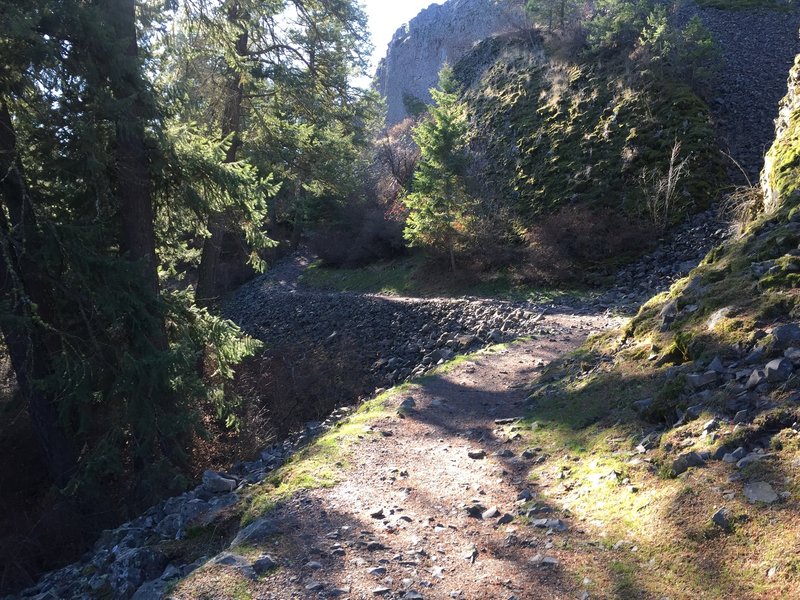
pixel 757 50
pixel 396 338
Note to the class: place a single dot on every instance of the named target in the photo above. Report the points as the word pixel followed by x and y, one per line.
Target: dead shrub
pixel 563 245
pixel 291 384
pixel 742 206
pixel 362 234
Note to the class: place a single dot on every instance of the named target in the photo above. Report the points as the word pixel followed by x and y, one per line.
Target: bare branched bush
pixel 742 206
pixel 661 189
pixel 294 383
pixel 397 157
pixel 561 246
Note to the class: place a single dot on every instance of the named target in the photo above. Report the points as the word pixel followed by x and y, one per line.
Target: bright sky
pixel 385 16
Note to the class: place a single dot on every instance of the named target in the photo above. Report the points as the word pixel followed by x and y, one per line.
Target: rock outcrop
pixel 779 164
pixel 442 33
pixel 756 48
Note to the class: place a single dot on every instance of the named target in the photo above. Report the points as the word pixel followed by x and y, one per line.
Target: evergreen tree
pixel 555 14
pixel 283 93
pixel 439 206
pixel 107 362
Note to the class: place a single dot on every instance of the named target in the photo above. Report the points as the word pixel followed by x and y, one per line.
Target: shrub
pixel 361 234
pixel 561 246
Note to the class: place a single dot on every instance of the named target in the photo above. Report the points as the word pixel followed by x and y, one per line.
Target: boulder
pixel 255 533
pixel 685 461
pixel 760 492
pixel 217 484
pixel 778 370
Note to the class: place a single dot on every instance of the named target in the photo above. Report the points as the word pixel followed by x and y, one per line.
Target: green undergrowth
pixel 414 277
pixel 581 131
pixel 397 277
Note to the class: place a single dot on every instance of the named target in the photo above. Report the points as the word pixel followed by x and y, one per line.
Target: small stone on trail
pixel 315 586
pixel 381 591
pixel 377 571
pixel 377 513
pixel 545 561
pixel 505 519
pixel 554 524
pixel 721 519
pixel 406 406
pixel 471 553
pixel 490 513
pixel 476 453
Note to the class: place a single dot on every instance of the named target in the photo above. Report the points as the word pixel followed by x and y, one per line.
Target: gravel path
pixel 424 508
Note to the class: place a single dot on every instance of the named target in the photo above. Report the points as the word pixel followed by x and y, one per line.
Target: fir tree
pixel 439 206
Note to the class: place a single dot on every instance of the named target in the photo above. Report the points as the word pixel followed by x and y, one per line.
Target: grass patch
pixel 413 276
pixel 396 277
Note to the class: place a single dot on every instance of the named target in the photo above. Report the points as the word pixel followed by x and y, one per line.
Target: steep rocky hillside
pixel 757 50
pixel 757 41
pixel 439 34
pixel 550 132
pixel 698 398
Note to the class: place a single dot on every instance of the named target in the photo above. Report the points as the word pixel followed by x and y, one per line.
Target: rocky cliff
pixel 756 45
pixel 780 178
pixel 440 34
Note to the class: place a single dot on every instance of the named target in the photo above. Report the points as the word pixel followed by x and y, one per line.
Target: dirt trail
pixel 397 526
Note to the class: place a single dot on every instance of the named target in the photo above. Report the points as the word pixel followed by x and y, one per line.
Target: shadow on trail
pixel 357 557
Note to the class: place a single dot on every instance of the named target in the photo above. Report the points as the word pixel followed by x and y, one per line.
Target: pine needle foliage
pixel 440 207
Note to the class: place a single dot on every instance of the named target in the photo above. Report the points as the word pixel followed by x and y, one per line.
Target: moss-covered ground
pixel 583 411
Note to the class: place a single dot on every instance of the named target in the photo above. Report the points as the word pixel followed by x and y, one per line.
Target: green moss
pixel 564 133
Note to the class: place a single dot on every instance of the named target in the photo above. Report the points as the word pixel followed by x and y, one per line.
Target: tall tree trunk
pixel 134 185
pixel 134 193
pixel 23 286
pixel 208 285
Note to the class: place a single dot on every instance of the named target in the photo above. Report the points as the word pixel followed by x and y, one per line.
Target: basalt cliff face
pixel 442 33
